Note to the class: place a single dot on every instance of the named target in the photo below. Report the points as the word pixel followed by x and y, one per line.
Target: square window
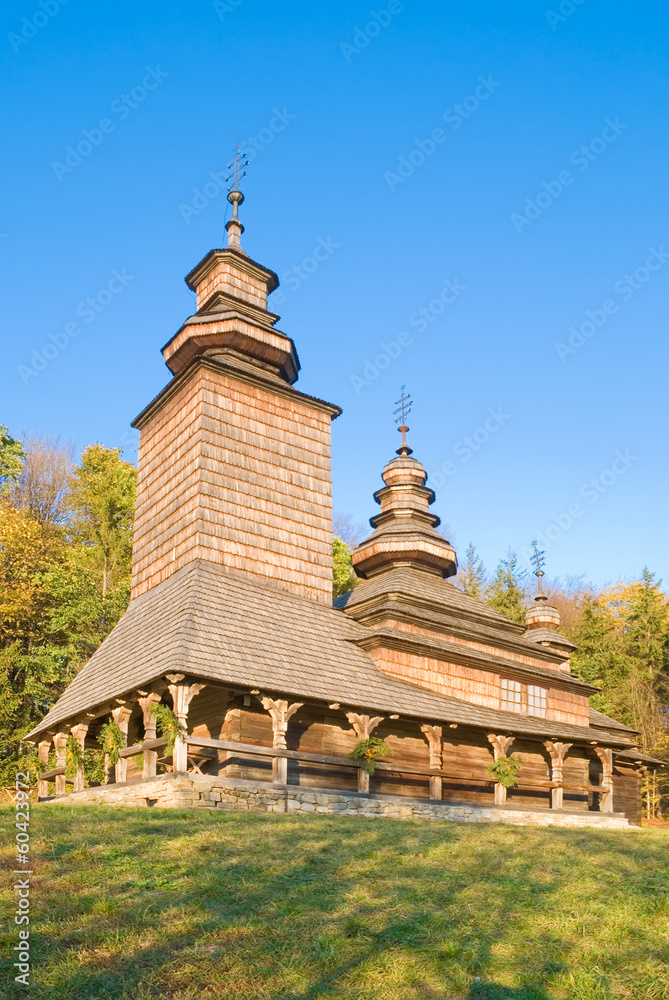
pixel 511 696
pixel 536 701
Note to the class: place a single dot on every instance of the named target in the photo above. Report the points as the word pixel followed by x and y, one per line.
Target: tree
pixel 347 530
pixel 26 551
pixel 11 458
pixel 43 485
pixel 343 575
pixel 623 640
pixel 506 592
pixel 103 502
pixel 472 576
pixel 598 659
pixel 642 614
pixel 65 559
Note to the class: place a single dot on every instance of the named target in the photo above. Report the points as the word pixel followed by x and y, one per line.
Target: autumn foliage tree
pixel 65 557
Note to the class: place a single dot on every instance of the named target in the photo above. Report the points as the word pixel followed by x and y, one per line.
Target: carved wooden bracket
pixel 182 695
pixel 363 725
pixel 60 741
pixel 606 757
pixel 146 702
pixel 79 732
pixel 558 752
pixel 281 712
pixel 121 717
pixel 43 749
pixel 433 735
pixel 500 744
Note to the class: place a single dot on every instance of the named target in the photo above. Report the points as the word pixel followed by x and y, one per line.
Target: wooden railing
pixel 450 774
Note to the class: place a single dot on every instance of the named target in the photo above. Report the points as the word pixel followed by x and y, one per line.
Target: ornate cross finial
pixel 539 562
pixel 237 168
pixel 403 404
pixel 235 196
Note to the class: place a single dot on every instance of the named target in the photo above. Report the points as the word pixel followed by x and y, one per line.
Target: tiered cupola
pixel 232 319
pixel 543 622
pixel 404 532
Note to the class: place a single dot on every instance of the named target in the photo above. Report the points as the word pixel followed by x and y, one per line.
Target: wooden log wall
pixel 627 791
pixel 481 687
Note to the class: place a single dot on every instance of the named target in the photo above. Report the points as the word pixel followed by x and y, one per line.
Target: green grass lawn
pixel 145 904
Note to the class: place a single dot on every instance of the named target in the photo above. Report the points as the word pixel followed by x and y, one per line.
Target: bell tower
pixel 234 463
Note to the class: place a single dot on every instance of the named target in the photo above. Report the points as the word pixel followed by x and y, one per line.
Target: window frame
pixel 537 711
pixel 519 689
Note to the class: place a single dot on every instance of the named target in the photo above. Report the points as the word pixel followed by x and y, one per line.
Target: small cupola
pixel 542 619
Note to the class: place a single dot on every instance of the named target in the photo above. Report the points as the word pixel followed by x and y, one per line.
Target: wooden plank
pixel 54 773
pixel 137 748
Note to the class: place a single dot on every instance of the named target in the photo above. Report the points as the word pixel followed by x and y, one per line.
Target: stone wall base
pixel 181 791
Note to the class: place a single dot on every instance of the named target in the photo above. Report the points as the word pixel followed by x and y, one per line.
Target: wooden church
pixel 231 622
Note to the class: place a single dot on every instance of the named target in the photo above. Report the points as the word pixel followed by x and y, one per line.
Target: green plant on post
pixel 368 753
pixel 74 758
pixel 112 741
pixel 505 770
pixel 168 725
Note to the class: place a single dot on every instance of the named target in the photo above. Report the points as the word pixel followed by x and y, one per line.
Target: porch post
pixel 43 757
pixel 150 757
pixel 500 745
pixel 363 725
pixel 182 695
pixel 60 741
pixel 79 733
pixel 606 794
pixel 281 712
pixel 558 752
pixel 121 716
pixel 433 735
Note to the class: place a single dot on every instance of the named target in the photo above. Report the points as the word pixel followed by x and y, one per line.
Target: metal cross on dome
pixel 404 405
pixel 237 168
pixel 539 562
pixel 538 558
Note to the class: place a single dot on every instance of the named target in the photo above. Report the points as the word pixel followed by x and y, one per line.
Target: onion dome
pixel 404 530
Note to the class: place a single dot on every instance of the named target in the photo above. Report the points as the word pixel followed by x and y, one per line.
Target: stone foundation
pixel 179 791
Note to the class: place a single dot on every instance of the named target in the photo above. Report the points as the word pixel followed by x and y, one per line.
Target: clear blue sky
pixel 339 104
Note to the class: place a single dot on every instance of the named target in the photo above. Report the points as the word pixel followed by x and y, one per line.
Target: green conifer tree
pixel 472 577
pixel 506 592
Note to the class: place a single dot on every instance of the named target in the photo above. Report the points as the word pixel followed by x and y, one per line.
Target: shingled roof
pixel 447 608
pixel 209 622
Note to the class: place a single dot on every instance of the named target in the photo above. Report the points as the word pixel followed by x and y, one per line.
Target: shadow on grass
pixel 168 904
pixel 490 991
